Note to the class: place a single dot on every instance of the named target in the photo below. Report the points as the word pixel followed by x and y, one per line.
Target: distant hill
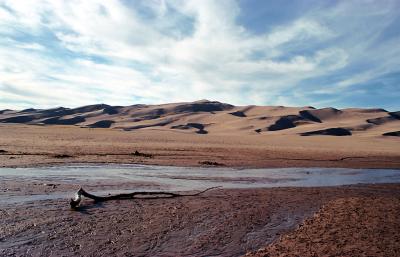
pixel 205 117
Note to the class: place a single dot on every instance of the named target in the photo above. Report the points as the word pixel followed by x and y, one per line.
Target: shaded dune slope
pixel 329 132
pixel 198 126
pixel 381 120
pixel 393 134
pixel 285 122
pixel 102 124
pixel 319 115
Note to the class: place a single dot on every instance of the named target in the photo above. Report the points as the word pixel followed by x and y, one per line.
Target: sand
pixel 344 227
pixel 211 117
pixel 27 145
pixel 218 223
pixel 202 132
pixel 333 221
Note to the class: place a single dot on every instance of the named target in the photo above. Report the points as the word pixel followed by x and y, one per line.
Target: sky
pixel 292 53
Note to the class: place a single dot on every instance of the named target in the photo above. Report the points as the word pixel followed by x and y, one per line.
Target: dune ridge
pixel 219 118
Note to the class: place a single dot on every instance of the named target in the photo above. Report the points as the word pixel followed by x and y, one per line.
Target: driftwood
pixel 135 195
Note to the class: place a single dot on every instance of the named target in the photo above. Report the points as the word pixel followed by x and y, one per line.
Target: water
pixel 184 178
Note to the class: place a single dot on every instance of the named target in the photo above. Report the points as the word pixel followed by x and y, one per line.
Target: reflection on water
pixel 183 178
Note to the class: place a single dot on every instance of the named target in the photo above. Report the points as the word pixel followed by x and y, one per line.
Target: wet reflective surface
pixel 183 178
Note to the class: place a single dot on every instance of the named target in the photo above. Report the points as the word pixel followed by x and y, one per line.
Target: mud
pixel 224 222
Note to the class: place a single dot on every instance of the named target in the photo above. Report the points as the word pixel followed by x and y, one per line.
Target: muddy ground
pixel 219 223
pixel 351 226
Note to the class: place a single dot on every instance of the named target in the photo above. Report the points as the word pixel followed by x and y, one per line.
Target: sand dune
pixel 395 115
pixel 66 121
pixel 198 126
pixel 102 124
pixel 394 134
pixel 238 114
pixel 320 115
pixel 285 122
pixel 28 110
pixel 381 120
pixel 5 111
pixel 220 118
pixel 329 132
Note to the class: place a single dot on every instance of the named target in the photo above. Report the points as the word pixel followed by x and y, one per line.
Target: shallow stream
pixel 184 178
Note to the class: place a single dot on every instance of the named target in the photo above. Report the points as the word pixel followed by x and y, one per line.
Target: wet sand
pixel 222 222
pixel 351 226
pixel 36 219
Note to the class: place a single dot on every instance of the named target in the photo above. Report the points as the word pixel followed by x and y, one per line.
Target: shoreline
pixel 383 163
pixel 138 164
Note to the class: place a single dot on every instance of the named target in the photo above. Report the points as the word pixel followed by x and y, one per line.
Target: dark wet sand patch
pixel 220 222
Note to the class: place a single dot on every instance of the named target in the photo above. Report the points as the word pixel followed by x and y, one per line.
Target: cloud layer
pixel 73 53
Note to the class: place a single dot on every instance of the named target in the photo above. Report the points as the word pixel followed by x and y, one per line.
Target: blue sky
pixel 295 53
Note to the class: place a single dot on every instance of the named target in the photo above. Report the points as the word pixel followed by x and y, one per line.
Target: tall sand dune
pixel 212 117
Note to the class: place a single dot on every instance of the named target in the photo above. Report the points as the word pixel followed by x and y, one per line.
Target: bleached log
pixel 75 202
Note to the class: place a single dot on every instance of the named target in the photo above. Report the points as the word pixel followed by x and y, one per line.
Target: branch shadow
pixel 85 209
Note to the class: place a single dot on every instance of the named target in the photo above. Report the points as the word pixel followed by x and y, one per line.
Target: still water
pixel 182 178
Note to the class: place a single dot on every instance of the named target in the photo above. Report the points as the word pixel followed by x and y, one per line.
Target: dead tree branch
pixel 135 195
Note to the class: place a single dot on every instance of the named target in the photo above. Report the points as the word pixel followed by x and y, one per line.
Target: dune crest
pixel 212 117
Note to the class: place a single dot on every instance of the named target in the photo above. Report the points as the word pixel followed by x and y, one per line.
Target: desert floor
pixel 28 145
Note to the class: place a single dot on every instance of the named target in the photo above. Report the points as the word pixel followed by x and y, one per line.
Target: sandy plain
pixel 27 145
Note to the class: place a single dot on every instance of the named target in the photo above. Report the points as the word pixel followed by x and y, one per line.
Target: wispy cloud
pixel 121 52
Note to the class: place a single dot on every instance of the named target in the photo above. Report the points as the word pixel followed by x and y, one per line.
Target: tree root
pixel 135 195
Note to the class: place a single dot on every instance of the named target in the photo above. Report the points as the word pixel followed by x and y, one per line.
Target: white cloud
pixel 162 51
